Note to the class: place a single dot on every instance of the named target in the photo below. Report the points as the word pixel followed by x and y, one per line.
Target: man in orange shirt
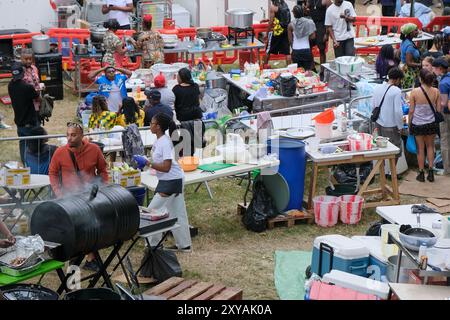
pixel 74 166
pixel 88 164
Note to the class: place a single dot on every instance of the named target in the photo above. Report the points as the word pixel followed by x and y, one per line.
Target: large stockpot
pixel 40 44
pixel 88 221
pixel 239 18
pixel 215 80
pixel 406 267
pixel 97 34
pixel 204 33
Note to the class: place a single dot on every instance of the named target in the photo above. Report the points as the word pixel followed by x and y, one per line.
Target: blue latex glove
pixel 141 161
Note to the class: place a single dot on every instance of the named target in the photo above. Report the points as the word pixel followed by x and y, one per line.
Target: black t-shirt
pixel 152 111
pixel 22 95
pixel 283 15
pixel 187 103
pixel 317 11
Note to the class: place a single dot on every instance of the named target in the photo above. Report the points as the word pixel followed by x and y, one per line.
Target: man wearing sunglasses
pixel 76 164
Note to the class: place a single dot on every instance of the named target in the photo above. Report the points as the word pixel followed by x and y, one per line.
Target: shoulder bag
pixel 438 117
pixel 376 111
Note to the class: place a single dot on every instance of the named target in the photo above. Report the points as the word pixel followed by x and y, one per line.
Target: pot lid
pixel 40 37
pixel 240 11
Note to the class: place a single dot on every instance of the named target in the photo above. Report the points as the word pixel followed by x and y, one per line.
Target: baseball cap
pixel 148 17
pixel 440 62
pixel 160 81
pixel 153 94
pixel 17 71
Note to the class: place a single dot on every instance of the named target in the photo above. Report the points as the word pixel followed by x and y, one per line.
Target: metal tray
pixel 18 272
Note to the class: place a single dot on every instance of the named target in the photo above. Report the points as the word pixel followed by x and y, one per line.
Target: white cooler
pixel 340 253
pixel 377 261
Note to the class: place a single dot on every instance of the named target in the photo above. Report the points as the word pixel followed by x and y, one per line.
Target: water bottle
pixel 445 227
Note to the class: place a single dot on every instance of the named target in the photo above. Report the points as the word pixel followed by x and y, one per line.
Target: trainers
pixel 421 176
pixel 175 248
pixel 4 126
pixel 91 266
pixel 430 176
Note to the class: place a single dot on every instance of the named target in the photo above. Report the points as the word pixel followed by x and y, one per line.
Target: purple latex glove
pixel 141 161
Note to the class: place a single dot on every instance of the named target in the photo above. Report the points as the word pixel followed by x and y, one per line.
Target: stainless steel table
pixel 259 103
pixel 214 46
pixel 367 73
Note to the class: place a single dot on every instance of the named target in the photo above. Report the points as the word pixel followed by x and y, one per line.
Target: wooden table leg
pixel 383 180
pixel 369 178
pixel 312 185
pixel 393 166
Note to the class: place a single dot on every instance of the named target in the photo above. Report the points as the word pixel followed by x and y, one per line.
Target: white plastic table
pixel 406 291
pixel 381 40
pixel 198 176
pixel 38 183
pixel 378 154
pixel 402 215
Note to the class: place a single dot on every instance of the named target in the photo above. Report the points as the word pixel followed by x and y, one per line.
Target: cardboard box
pixel 15 177
pixel 129 178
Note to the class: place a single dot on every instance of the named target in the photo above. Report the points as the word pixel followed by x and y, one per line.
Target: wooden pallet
pixel 177 288
pixel 288 220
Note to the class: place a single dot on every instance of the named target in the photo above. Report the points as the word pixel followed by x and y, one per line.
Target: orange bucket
pixel 326 116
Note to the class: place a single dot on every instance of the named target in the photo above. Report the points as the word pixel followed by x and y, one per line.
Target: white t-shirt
pixel 163 150
pixel 115 98
pixel 122 17
pixel 339 25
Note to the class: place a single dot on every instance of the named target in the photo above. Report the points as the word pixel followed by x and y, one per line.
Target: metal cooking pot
pixel 40 44
pixel 97 34
pixel 204 33
pixel 80 49
pixel 27 292
pixel 215 80
pixel 93 294
pixel 240 18
pixel 406 267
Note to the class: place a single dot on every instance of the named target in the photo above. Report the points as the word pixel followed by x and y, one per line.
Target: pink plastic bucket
pixel 326 210
pixel 351 208
pixel 360 141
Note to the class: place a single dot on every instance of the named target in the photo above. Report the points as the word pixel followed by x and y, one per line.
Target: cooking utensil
pixel 204 33
pixel 413 238
pixel 239 18
pixel 97 34
pixel 27 292
pixel 215 80
pixel 40 44
pixel 405 268
pixel 24 269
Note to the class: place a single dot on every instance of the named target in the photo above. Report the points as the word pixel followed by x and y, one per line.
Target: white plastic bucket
pixel 351 208
pixel 326 210
pixel 389 249
pixel 324 130
pixel 360 141
pixel 85 115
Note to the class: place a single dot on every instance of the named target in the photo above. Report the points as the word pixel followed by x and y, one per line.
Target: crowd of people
pixel 426 73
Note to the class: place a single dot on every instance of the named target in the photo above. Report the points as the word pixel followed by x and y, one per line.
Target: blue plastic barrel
pixel 292 155
pixel 138 193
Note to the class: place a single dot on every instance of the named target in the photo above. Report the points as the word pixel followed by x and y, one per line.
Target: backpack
pixel 46 108
pixel 132 142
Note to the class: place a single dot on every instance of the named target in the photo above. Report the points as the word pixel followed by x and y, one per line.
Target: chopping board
pixel 368 42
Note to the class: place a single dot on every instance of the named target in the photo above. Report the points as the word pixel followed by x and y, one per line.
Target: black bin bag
pixel 261 208
pixel 161 265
